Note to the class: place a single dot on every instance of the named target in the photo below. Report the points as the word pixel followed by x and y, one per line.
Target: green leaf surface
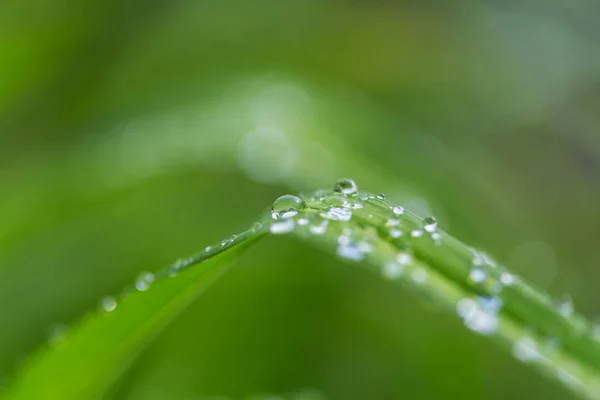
pixel 365 230
pixel 85 363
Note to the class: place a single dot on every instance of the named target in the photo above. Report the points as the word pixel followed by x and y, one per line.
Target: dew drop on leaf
pixel 144 280
pixel 108 303
pixel 381 196
pixel 285 226
pixel 398 210
pixel 359 203
pixel 430 224
pixel 392 270
pixel 345 186
pixel 287 206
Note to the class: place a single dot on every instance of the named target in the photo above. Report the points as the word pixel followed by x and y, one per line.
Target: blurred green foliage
pixel 133 133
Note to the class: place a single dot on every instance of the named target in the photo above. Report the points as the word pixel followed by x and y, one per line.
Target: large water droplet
pixel 109 303
pixel 345 186
pixel 144 280
pixel 287 206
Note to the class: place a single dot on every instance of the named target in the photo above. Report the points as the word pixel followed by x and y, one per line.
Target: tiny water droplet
pixel 437 238
pixel 257 226
pixel 144 280
pixel 507 279
pixel 207 249
pixel 526 350
pixel 392 222
pixel 404 259
pixel 109 303
pixel 285 226
pixel 287 206
pixel 477 275
pixel 395 233
pixel 303 221
pixel 337 214
pixel 430 224
pixel 381 196
pixel 359 203
pixel 565 305
pixel 398 210
pixel 319 229
pixel 392 270
pixel 345 186
pixel 477 318
pixel 349 251
pixel 416 233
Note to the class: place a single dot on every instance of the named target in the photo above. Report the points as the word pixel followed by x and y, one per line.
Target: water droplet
pixel 337 200
pixel 337 214
pixel 430 224
pixel 419 275
pixel 319 229
pixel 490 304
pixel 507 279
pixel 437 238
pixel 395 233
pixel 565 305
pixel 398 210
pixel 404 259
pixel 207 249
pixel 287 206
pixel 109 303
pixel 359 203
pixel 303 221
pixel 476 318
pixel 381 196
pixel 392 270
pixel 392 222
pixel 416 233
pixel 144 280
pixel 526 350
pixel 477 275
pixel 345 186
pixel 257 226
pixel 285 226
pixel 350 251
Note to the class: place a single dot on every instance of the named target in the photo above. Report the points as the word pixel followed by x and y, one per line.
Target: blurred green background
pixel 133 133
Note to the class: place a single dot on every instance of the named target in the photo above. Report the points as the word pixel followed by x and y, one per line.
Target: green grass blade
pixel 371 232
pixel 101 347
pixel 491 301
